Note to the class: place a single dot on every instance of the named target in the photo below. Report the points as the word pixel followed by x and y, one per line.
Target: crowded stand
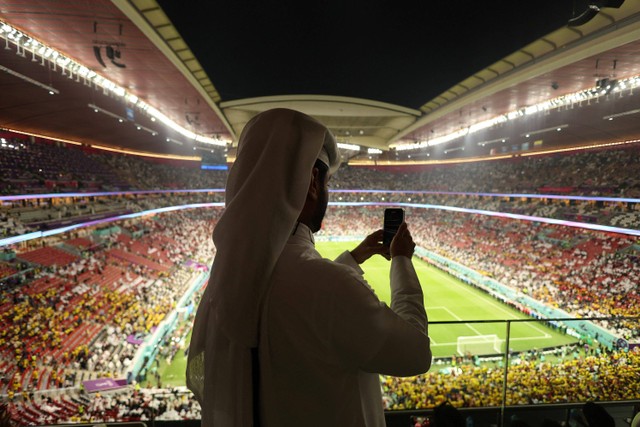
pixel 38 217
pixel 38 166
pixel 587 274
pixel 611 172
pixel 76 304
pixel 585 378
pixel 42 166
pixel 71 318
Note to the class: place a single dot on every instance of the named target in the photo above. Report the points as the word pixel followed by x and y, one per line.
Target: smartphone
pixel 393 217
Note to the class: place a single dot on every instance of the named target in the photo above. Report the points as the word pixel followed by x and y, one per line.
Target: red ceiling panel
pixel 79 29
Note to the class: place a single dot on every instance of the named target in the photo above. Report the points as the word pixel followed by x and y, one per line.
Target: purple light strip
pixel 596 227
pixel 518 195
pixel 221 190
pixel 39 234
pixel 107 193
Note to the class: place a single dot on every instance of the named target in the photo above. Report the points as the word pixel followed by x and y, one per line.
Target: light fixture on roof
pixel 175 141
pixel 69 67
pixel 51 90
pixel 414 146
pixel 103 111
pixel 493 141
pixel 351 147
pixel 624 113
pixel 539 131
pixel 451 150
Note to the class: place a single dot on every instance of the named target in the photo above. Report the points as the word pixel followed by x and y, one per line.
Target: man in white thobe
pixel 322 336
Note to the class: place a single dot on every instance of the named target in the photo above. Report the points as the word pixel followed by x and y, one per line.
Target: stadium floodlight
pixel 414 146
pixel 374 151
pixel 561 101
pixel 351 147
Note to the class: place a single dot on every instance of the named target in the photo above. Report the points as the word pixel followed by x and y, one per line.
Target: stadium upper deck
pixel 122 75
pixel 586 186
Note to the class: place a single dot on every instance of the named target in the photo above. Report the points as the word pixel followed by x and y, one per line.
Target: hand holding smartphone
pixel 393 217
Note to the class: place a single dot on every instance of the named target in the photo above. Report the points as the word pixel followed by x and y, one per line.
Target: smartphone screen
pixel 393 217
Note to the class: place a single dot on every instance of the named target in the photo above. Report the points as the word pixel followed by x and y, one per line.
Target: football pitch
pixel 446 299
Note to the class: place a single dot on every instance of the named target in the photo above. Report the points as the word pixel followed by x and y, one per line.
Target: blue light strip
pixel 105 194
pixel 518 195
pixel 39 234
pixel 596 227
pixel 221 190
pixel 214 167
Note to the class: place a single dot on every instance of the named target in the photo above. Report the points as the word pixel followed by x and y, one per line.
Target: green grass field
pixel 446 299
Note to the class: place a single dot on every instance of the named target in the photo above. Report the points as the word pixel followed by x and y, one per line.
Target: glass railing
pixel 511 365
pixel 494 371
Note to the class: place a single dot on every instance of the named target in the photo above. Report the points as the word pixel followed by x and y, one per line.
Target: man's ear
pixel 313 185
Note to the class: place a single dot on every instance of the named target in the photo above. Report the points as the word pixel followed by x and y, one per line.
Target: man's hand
pixel 402 243
pixel 371 245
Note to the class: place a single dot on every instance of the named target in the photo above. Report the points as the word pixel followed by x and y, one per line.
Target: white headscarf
pixel 266 191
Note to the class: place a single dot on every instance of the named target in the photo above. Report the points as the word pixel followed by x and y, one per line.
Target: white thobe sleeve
pixel 407 300
pixel 347 259
pixel 403 330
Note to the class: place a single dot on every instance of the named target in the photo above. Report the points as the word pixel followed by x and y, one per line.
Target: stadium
pixel 519 174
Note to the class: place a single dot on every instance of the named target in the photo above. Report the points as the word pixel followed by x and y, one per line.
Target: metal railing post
pixel 506 372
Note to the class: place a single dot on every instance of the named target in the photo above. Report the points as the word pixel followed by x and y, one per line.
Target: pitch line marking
pixel 496 305
pixel 501 340
pixel 466 324
pixel 543 336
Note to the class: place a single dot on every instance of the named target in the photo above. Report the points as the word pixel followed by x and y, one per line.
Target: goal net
pixel 479 345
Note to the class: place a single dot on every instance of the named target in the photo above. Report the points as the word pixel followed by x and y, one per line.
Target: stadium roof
pixel 170 77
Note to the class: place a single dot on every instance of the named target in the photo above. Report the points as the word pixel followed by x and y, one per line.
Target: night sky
pixel 401 52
